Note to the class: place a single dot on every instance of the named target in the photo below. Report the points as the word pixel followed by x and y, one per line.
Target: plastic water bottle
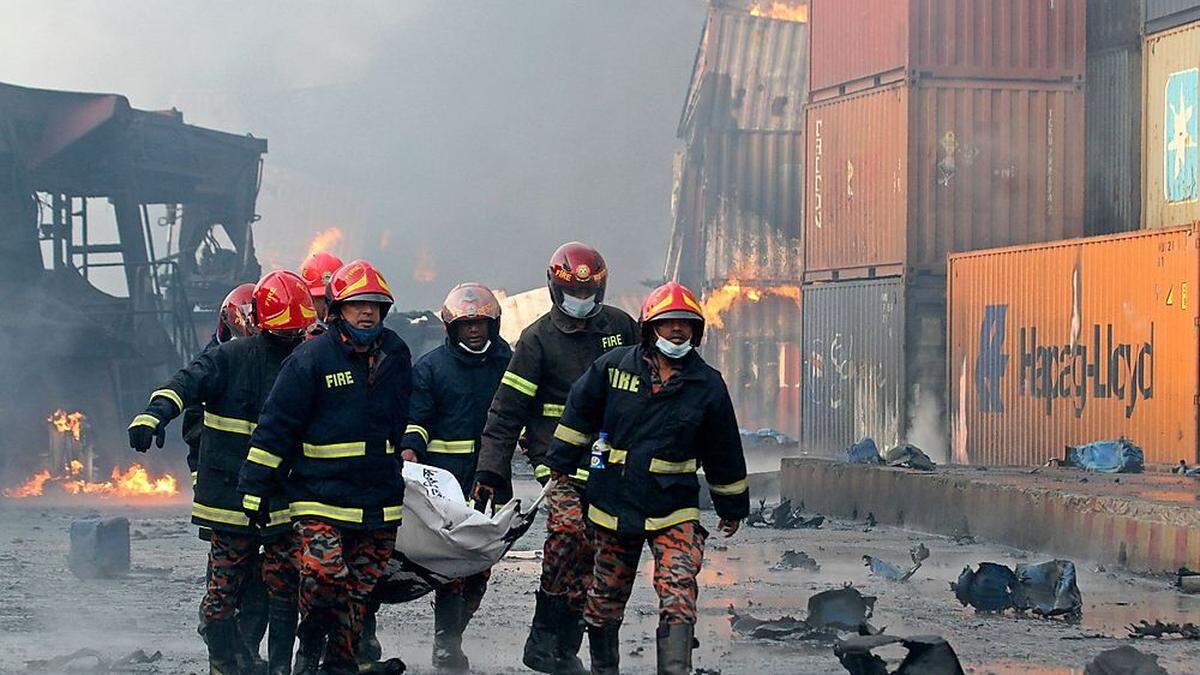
pixel 599 451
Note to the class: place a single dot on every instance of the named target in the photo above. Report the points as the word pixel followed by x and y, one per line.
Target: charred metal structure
pixel 67 342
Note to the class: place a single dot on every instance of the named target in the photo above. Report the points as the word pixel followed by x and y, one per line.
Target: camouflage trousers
pixel 567 553
pixel 234 563
pixel 678 553
pixel 338 570
pixel 471 588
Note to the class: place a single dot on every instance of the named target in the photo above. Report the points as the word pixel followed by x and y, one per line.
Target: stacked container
pixel 933 127
pixel 738 205
pixel 1171 158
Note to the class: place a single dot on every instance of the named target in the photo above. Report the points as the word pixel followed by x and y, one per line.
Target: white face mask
pixel 670 349
pixel 580 308
pixel 481 350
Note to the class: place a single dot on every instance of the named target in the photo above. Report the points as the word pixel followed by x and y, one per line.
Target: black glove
pixel 255 510
pixel 491 487
pixel 144 429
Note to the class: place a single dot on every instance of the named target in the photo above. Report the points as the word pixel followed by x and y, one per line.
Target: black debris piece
pixel 787 627
pixel 1048 590
pixel 927 655
pixel 784 517
pixel 1161 629
pixel 841 608
pixel 388 667
pixel 864 452
pixel 1187 581
pixel 987 589
pixel 909 456
pixel 1124 661
pixel 796 560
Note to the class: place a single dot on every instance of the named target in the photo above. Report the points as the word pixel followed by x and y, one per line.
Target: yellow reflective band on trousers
pixel 170 395
pixel 601 518
pixel 212 513
pixel 320 510
pixel 144 420
pixel 568 435
pixel 519 383
pixel 616 456
pixel 734 488
pixel 391 513
pixel 451 447
pixel 663 466
pixel 230 424
pixel 680 516
pixel 553 410
pixel 260 456
pixel 417 429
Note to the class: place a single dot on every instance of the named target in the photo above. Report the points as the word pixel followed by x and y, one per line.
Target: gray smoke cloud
pixel 474 136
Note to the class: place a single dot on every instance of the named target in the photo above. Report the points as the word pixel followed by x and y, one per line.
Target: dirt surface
pixel 46 612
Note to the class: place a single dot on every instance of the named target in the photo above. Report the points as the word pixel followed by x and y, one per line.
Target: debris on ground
pixel 1187 581
pixel 389 667
pixel 1184 470
pixel 796 560
pixel 909 456
pixel 99 548
pixel 766 435
pixel 987 589
pixel 1161 629
pixel 927 655
pixel 864 452
pixel 92 661
pixel 1048 589
pixel 534 554
pixel 963 540
pixel 840 609
pixel 784 517
pixel 1119 456
pixel 1124 661
pixel 886 570
pixel 773 629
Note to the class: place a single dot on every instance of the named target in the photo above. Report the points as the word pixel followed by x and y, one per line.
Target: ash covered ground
pixel 46 612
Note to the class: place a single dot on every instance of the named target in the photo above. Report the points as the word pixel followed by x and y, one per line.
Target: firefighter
pixel 662 413
pixel 452 388
pixel 335 419
pixel 550 355
pixel 232 382
pixel 316 270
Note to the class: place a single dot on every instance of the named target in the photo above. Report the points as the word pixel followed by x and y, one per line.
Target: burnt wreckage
pixel 67 341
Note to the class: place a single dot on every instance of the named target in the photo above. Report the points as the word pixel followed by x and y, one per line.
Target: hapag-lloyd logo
pixel 1099 367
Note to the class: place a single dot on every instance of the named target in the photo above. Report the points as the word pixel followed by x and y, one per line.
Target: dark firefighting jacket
pixel 193 423
pixel 659 441
pixel 335 417
pixel 550 355
pixel 452 389
pixel 231 381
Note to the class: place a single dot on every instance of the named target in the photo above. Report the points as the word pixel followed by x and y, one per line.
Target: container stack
pixel 1171 164
pixel 738 208
pixel 932 128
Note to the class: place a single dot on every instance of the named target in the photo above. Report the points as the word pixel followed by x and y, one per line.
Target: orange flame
pixel 326 240
pixel 718 300
pixel 783 11
pixel 135 481
pixel 66 422
pixel 424 271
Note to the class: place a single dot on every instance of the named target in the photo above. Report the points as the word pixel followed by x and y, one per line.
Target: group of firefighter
pixel 302 409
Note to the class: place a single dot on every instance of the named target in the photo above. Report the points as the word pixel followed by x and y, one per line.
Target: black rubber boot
pixel 312 647
pixel 675 644
pixel 369 649
pixel 449 620
pixel 252 620
pixel 540 645
pixel 604 644
pixel 281 639
pixel 222 638
pixel 570 637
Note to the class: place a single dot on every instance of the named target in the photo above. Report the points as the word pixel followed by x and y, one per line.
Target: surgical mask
pixel 363 337
pixel 480 351
pixel 670 349
pixel 580 308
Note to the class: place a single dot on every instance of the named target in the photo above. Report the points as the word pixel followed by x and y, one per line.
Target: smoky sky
pixel 475 135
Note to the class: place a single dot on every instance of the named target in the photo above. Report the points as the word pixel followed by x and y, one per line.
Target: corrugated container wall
pixel 1166 14
pixel 758 352
pixel 1113 23
pixel 902 175
pixel 1072 342
pixel 1171 157
pixel 874 364
pixel 865 42
pixel 1113 195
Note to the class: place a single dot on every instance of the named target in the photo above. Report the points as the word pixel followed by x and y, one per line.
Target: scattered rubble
pixel 1047 589
pixel 927 655
pixel 783 517
pixel 1124 661
pixel 840 609
pixel 796 560
pixel 1161 629
pixel 92 661
pixel 886 570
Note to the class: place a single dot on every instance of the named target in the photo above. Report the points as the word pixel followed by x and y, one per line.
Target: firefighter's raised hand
pixel 408 455
pixel 728 527
pixel 144 429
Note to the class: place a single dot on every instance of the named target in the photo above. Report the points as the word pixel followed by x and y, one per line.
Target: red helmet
pixel 317 270
pixel 282 304
pixel 672 300
pixel 358 280
pixel 577 269
pixel 235 314
pixel 470 301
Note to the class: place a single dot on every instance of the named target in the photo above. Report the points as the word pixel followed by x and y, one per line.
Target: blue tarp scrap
pixel 1119 456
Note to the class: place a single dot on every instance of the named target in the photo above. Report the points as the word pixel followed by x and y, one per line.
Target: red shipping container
pixel 858 44
pixel 900 176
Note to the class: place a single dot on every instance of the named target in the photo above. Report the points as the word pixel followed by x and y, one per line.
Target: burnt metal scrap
pixel 886 570
pixel 840 609
pixel 796 560
pixel 1047 589
pixel 1161 629
pixel 784 517
pixel 909 456
pixel 927 655
pixel 1124 661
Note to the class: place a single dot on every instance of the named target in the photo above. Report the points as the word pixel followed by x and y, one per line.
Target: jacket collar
pixel 569 325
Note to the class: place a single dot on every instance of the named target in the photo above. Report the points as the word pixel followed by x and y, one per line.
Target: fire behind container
pixel 1072 342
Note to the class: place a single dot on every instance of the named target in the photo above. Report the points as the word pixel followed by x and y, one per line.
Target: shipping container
pixel 750 73
pixel 1113 23
pixel 1170 156
pixel 899 176
pixel 1113 195
pixel 874 364
pixel 1167 14
pixel 1076 341
pixel 858 44
pixel 756 346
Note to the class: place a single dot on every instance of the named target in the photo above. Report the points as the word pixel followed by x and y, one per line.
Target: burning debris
pixel 1047 590
pixel 843 609
pixel 796 560
pixel 882 568
pixel 717 301
pixel 136 481
pixel 927 655
pixel 1160 629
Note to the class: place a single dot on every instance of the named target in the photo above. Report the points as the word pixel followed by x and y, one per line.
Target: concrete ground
pixel 46 612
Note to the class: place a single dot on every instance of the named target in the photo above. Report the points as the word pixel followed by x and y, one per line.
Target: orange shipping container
pixel 1072 342
pixel 859 43
pixel 902 175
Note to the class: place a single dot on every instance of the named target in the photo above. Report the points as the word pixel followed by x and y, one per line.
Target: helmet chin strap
pixel 482 350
